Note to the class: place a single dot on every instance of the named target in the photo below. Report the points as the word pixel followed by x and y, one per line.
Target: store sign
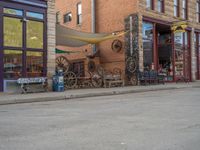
pixel 179 27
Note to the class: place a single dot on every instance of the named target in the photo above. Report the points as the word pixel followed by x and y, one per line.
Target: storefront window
pixel 147 44
pixel 12 32
pixel 35 34
pixel 178 45
pixel 12 64
pixel 34 63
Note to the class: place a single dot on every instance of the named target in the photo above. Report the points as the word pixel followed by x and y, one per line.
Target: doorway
pixel 23 43
pixel 164 51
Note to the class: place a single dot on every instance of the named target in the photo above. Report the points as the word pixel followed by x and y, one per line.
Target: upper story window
pixel 150 4
pixel 176 8
pixel 185 9
pixel 161 6
pixel 198 10
pixel 79 13
pixel 68 17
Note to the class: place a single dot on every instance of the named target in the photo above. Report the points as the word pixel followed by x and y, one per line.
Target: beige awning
pixel 73 38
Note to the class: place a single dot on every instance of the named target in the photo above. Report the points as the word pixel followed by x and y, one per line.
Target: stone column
pixel 193 57
pixel 141 66
pixel 51 41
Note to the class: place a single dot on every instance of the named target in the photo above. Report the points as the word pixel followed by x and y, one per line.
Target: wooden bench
pixel 26 84
pixel 110 80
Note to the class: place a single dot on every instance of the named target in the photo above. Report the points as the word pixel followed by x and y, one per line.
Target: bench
pixel 113 79
pixel 150 77
pixel 27 84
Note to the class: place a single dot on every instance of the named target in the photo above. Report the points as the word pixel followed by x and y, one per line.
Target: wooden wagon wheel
pixel 86 84
pixel 116 46
pixel 62 63
pixel 131 65
pixel 134 80
pixel 70 80
pixel 97 80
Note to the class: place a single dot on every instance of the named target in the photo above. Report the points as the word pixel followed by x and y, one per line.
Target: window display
pixel 34 64
pixel 12 64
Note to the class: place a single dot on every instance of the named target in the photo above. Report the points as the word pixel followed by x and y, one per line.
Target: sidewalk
pixel 83 93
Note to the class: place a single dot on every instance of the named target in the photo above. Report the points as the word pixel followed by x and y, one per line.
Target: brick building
pixel 27 39
pixel 151 44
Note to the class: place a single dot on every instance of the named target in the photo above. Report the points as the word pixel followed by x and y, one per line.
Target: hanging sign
pixel 179 27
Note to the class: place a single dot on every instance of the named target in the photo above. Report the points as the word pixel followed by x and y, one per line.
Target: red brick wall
pixel 110 17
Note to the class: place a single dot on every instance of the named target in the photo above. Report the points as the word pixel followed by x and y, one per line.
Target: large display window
pixel 147 36
pixel 23 42
pixel 12 64
pixel 182 55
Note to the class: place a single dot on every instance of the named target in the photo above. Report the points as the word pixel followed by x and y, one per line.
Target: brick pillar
pixel 193 56
pixel 51 38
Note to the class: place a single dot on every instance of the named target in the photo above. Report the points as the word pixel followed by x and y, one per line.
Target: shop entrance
pixel 164 51
pixel 22 45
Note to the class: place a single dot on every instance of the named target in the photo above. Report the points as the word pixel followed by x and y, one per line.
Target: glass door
pixel 23 43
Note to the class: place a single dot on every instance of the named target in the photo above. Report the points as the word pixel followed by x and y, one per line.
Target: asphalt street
pixel 159 120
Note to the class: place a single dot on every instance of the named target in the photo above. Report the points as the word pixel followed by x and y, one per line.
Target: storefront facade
pixel 167 52
pixel 23 42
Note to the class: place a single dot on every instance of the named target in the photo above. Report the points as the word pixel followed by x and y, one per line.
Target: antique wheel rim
pixel 134 80
pixel 97 81
pixel 62 63
pixel 131 65
pixel 70 80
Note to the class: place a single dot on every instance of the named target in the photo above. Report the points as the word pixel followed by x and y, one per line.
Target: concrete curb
pixel 85 95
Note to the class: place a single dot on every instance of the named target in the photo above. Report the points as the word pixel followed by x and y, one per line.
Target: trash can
pixel 58 81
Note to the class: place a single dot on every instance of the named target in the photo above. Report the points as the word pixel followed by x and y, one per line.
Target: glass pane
pixel 35 34
pixel 159 6
pixel 148 4
pixel 184 4
pixel 175 11
pixel 179 55
pixel 148 53
pixel 147 44
pixel 13 11
pixel 12 64
pixel 79 9
pixel 147 29
pixel 35 15
pixel 34 64
pixel 12 32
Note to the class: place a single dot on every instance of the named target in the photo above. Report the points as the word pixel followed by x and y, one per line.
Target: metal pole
pixel 93 8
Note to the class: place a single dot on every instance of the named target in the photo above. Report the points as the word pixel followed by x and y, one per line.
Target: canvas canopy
pixel 73 38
